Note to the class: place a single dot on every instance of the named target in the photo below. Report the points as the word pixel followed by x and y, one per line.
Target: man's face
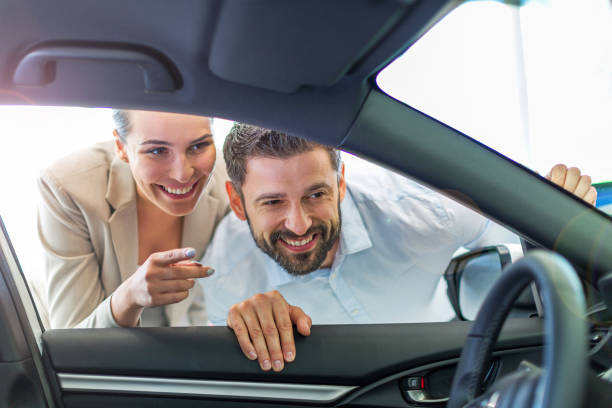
pixel 293 208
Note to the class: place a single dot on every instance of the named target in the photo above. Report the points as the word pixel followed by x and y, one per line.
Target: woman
pixel 119 220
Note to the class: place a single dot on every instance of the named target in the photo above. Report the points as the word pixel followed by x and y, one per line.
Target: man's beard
pixel 304 263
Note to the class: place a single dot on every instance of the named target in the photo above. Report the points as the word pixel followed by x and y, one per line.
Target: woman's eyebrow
pixel 155 142
pixel 202 138
pixel 166 143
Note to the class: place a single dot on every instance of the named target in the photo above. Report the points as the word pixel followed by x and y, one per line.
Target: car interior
pixel 309 69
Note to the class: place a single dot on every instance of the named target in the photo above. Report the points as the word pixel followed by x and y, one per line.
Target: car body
pixel 307 68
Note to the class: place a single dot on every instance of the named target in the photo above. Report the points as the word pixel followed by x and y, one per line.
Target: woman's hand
pixel 164 278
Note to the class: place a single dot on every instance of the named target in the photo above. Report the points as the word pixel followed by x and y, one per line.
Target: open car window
pixel 420 255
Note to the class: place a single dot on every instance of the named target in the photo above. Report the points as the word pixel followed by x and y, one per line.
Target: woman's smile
pixel 177 192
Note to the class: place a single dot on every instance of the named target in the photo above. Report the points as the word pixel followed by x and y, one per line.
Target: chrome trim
pixel 219 389
pixel 420 397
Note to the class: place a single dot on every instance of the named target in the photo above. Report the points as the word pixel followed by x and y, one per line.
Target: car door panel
pixel 351 363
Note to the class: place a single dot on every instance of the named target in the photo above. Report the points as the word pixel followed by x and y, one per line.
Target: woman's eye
pixel 157 151
pixel 199 146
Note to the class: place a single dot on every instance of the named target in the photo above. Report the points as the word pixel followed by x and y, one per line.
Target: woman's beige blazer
pixel 87 224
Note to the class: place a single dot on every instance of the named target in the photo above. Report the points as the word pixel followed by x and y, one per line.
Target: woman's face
pixel 171 157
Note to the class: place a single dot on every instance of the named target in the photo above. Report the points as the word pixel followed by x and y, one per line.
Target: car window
pixel 533 82
pixel 400 202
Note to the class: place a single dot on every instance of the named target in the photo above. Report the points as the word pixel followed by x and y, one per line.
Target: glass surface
pixel 478 276
pixel 534 83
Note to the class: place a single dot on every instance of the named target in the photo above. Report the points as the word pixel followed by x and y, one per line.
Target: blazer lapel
pixel 123 221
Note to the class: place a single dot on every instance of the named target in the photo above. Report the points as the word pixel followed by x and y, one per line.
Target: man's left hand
pixel 573 181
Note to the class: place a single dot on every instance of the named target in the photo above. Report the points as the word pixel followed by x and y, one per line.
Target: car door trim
pixel 222 389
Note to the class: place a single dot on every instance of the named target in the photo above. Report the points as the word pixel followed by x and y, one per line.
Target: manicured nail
pixel 266 365
pixel 289 356
pixel 252 355
pixel 210 271
pixel 278 365
pixel 190 253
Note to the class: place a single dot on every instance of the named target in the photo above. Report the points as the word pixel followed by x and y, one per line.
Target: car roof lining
pixel 307 101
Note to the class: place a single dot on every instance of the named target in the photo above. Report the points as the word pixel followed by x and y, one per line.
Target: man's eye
pixel 318 194
pixel 271 202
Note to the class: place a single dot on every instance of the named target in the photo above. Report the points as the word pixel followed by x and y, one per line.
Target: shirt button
pixel 355 311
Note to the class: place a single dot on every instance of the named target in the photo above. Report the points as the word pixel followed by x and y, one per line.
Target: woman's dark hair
pixel 246 141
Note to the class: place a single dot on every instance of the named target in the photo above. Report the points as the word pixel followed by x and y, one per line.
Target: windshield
pixel 534 82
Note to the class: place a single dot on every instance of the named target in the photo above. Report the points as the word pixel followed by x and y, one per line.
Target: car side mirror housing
pixel 469 277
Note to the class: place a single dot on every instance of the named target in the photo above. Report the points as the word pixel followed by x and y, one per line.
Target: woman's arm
pixel 74 291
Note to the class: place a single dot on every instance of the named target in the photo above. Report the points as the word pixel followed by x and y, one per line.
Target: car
pixel 309 69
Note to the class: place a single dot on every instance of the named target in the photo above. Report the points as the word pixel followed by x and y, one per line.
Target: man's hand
pixel 574 182
pixel 263 325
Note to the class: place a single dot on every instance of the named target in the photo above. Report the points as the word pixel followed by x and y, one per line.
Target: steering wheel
pixel 561 381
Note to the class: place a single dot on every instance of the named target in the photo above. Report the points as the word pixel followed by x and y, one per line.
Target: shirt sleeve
pixel 474 230
pixel 75 295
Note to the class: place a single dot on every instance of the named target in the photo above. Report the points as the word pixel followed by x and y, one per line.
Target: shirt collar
pixel 354 236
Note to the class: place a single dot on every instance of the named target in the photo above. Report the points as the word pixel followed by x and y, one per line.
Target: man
pixel 366 248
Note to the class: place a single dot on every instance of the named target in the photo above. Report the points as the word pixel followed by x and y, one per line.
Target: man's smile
pixel 300 245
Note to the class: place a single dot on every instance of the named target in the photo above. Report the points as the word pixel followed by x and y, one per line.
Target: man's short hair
pixel 247 141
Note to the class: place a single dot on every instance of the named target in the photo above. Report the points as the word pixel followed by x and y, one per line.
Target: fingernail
pixel 278 365
pixel 190 252
pixel 252 355
pixel 266 365
pixel 289 356
pixel 210 271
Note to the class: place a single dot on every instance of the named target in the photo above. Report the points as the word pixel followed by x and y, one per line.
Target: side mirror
pixel 469 277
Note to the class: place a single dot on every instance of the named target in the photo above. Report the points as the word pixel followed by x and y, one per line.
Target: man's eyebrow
pixel 318 186
pixel 276 196
pixel 165 143
pixel 269 196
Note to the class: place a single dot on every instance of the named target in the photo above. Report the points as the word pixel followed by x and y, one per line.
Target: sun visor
pixel 288 44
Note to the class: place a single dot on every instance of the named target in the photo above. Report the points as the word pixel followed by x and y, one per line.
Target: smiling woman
pixel 143 204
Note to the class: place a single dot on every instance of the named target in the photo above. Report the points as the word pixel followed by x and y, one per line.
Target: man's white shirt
pixel 396 240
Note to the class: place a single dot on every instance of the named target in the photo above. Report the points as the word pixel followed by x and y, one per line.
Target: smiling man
pixel 365 247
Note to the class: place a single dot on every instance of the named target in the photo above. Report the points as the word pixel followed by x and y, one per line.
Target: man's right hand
pixel 164 278
pixel 263 325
